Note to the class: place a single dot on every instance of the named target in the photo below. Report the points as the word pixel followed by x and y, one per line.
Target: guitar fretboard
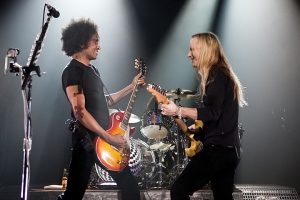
pixel 128 110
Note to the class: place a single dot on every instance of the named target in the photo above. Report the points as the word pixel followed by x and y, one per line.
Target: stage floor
pixel 153 194
pixel 242 192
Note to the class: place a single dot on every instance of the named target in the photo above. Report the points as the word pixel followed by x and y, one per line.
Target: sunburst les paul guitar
pixel 195 145
pixel 111 157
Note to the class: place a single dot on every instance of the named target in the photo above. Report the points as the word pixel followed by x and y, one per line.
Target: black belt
pixel 218 146
pixel 222 148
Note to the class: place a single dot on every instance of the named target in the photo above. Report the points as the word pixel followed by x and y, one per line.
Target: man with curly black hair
pixel 83 87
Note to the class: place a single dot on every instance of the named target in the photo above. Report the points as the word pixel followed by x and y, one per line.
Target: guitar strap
pixel 108 96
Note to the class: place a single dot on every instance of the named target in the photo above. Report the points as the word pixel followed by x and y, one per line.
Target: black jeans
pixel 215 164
pixel 79 174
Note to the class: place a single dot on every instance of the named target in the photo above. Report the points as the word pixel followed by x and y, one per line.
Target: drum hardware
pixel 180 139
pixel 164 138
pixel 147 166
pixel 159 180
pixel 133 118
pixel 162 147
pixel 180 142
pixel 241 130
pixel 181 94
pixel 174 160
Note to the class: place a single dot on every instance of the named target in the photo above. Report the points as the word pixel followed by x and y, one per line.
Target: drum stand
pixel 160 177
pixel 181 157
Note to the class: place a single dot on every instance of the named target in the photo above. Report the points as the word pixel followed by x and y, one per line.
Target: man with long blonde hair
pixel 218 109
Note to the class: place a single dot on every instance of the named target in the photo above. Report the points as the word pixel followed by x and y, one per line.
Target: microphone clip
pixel 52 11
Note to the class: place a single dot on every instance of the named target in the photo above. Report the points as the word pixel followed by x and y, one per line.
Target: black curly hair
pixel 76 35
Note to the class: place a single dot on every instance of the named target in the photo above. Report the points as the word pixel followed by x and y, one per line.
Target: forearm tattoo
pixel 78 108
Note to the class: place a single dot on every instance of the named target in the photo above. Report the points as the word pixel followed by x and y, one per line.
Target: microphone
pixel 52 11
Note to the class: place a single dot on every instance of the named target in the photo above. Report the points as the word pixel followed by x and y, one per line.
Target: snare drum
pixel 155 125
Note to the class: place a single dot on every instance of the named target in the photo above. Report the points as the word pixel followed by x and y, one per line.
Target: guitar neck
pixel 128 110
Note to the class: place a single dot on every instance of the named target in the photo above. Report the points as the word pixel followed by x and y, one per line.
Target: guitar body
pixel 110 157
pixel 196 145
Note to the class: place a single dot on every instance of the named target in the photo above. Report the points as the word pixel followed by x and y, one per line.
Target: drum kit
pixel 159 158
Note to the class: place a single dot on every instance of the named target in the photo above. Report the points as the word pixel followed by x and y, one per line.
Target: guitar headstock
pixel 140 65
pixel 158 92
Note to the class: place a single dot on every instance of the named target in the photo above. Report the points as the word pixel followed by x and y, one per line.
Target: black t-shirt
pixel 220 111
pixel 88 78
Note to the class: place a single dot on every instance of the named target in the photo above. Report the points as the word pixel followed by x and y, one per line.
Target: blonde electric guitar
pixel 196 145
pixel 113 158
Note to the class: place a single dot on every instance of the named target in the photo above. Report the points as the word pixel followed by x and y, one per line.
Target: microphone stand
pixel 26 74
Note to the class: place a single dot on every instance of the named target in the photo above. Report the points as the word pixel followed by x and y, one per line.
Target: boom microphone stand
pixel 26 73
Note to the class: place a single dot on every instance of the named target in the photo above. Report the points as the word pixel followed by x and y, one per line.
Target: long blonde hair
pixel 211 54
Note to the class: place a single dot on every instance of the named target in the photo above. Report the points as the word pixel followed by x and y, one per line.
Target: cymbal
pixel 133 118
pixel 181 94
